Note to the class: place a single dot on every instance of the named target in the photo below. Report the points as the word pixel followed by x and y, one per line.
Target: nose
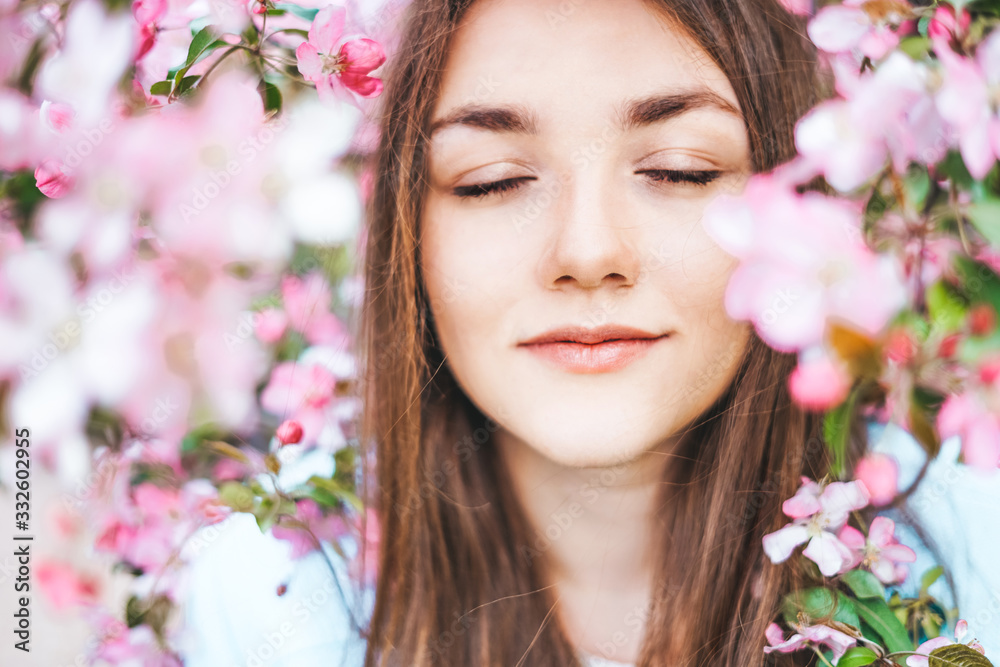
pixel 592 241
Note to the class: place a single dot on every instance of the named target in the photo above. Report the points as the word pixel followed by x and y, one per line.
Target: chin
pixel 583 438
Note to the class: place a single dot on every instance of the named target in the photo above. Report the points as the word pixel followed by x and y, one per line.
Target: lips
pixel 598 350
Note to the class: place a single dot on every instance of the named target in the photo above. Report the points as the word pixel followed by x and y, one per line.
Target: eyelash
pixel 698 178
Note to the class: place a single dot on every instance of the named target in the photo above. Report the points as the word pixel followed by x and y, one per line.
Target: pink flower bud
pixel 880 474
pixel 289 433
pixel 982 319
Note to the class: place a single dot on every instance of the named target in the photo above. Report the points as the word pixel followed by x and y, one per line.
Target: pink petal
pixel 803 504
pixel 925 649
pixel 852 538
pixel 880 474
pixel 52 180
pixel 840 498
pixel 884 570
pixel 899 553
pixel 829 553
pixel 961 629
pixel 819 384
pixel 881 531
pixel 774 634
pixel 981 448
pixel 327 28
pixel 362 84
pixel 362 55
pixel 780 544
pixel 309 63
pixel 837 28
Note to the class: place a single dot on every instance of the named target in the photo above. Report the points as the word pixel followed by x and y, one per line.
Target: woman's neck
pixel 593 528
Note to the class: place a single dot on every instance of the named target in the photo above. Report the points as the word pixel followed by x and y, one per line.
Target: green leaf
pixel 917 184
pixel 954 168
pixel 237 496
pixel 199 43
pixel 878 615
pixel 820 604
pixel 161 88
pixel 857 656
pixel 915 46
pixel 930 576
pixel 864 584
pixel 947 309
pixel 957 655
pixel 836 433
pixel 985 215
pixel 185 84
pixel 271 96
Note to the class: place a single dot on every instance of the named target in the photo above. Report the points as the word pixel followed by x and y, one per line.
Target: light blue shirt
pixel 234 617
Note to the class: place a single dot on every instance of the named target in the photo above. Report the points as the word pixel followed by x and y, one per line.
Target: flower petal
pixel 362 55
pixel 327 28
pixel 780 544
pixel 828 552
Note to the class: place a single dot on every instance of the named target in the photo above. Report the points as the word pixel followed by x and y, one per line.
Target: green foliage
pixel 857 657
pixel 878 616
pixel 957 655
pixel 864 585
pixel 816 604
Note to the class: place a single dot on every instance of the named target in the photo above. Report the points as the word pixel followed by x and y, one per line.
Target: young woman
pixel 578 452
pixel 575 451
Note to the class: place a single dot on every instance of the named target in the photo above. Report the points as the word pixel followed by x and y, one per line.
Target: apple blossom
pixel 808 636
pixel 348 67
pixel 880 552
pixel 819 512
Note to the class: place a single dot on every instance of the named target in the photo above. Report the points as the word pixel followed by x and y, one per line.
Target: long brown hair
pixel 454 585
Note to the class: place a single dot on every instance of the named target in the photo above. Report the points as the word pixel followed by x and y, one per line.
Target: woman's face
pixel 574 147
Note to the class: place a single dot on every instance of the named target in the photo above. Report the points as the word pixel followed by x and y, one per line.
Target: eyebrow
pixel 633 114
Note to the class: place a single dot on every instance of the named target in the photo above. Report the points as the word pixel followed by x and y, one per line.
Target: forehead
pixel 571 58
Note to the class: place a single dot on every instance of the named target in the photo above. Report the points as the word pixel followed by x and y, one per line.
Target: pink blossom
pixel 880 552
pixel 350 66
pixel 807 636
pixel 301 392
pixel 63 585
pixel 56 117
pixel 890 113
pixel 880 474
pixel 270 325
pixel 53 179
pixel 847 26
pixel 795 278
pixel 289 433
pixel 968 416
pixel 148 14
pixel 818 513
pixel 943 25
pixel 965 100
pixel 307 304
pixel 138 646
pixel 819 382
pixel 961 630
pixel 800 7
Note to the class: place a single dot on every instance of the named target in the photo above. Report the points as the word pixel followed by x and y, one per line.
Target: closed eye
pixel 506 185
pixel 680 176
pixel 494 187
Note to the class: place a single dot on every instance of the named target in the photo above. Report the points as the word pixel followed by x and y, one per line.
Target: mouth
pixel 601 350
